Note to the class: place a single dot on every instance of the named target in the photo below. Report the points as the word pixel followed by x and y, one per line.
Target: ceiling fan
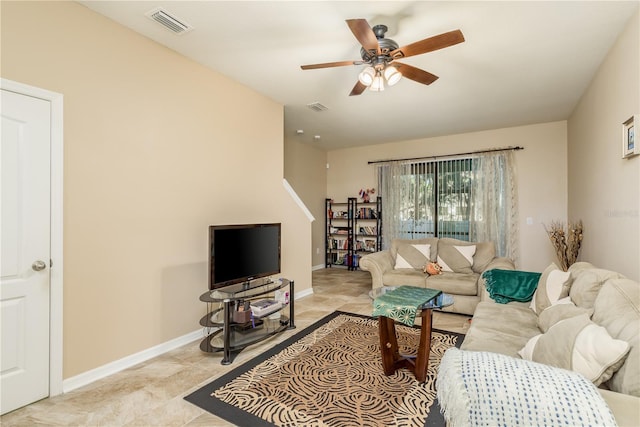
pixel 381 54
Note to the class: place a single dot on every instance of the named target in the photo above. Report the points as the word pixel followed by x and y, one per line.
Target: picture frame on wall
pixel 629 144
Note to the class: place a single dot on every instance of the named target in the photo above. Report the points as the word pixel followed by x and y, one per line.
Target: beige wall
pixel 305 169
pixel 541 168
pixel 156 149
pixel 604 189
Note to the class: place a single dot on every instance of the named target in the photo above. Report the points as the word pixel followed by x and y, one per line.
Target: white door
pixel 25 249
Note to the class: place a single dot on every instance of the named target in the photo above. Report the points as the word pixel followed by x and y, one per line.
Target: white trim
pixel 318 267
pixel 56 272
pixel 297 199
pixel 129 361
pixel 303 294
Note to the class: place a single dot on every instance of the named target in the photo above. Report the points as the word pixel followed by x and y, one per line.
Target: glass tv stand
pixel 230 327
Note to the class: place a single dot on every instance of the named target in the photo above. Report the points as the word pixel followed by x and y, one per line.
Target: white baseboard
pixel 304 293
pixel 318 267
pixel 128 361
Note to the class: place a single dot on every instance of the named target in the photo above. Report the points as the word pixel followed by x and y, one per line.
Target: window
pixel 435 199
pixel 471 198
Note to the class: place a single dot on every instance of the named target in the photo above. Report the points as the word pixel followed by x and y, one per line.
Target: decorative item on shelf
pixel 365 194
pixel 432 268
pixel 566 242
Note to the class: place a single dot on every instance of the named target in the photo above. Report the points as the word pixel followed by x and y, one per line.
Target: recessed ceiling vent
pixel 171 23
pixel 316 106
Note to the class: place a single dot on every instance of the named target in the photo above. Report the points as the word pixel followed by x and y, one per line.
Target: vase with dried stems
pixel 566 242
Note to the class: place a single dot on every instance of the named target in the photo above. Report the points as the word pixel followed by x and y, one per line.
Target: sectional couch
pixel 463 264
pixel 585 320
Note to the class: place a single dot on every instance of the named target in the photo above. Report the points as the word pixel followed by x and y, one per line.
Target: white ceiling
pixel 521 63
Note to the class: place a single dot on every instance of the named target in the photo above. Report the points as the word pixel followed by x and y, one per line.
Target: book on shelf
pixel 368 230
pixel 342 243
pixel 339 230
pixel 367 213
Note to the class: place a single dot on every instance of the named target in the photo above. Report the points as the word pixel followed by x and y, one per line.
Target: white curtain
pixel 494 203
pixel 393 188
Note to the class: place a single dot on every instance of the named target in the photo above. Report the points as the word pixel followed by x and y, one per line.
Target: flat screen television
pixel 241 253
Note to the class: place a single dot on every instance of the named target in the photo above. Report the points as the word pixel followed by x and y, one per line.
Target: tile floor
pixel 151 393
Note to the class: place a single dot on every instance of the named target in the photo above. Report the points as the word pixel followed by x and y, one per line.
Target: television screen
pixel 241 253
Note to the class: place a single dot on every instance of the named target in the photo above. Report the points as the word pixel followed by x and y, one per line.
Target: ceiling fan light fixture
pixel 378 84
pixel 367 76
pixel 392 75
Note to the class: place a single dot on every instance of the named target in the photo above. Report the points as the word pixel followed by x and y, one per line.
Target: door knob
pixel 38 265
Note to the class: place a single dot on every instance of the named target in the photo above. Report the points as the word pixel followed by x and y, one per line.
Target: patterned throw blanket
pixel 491 389
pixel 403 303
pixel 505 286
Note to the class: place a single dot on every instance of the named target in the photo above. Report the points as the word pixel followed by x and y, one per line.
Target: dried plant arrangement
pixel 566 242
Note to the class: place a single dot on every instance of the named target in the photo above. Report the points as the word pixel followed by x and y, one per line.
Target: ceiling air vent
pixel 171 23
pixel 316 106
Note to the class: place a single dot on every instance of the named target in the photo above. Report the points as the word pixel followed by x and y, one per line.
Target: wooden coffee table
pixel 392 360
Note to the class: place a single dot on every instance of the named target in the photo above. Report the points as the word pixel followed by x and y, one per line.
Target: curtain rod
pixel 446 155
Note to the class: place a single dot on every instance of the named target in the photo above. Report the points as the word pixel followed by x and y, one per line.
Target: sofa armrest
pixel 624 407
pixel 498 262
pixel 377 264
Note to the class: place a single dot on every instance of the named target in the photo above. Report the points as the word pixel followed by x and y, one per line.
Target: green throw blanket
pixel 511 285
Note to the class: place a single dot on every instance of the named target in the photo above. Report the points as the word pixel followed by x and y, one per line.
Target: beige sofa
pixel 403 263
pixel 605 297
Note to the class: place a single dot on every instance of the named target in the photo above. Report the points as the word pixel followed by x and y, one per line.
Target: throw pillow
pixel 552 286
pixel 559 311
pixel 412 256
pixel 396 243
pixel 485 252
pixel 579 345
pixel 456 259
pixel 587 283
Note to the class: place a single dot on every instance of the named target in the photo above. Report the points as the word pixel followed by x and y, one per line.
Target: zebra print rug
pixel 329 374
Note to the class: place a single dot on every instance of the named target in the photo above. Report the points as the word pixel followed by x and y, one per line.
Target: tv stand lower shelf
pixel 229 337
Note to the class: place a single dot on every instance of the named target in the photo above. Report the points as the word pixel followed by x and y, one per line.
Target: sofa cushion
pixel 579 345
pixel 404 276
pixel 501 328
pixel 587 283
pixel 413 256
pixel 617 308
pixel 560 311
pixel 454 283
pixel 455 258
pixel 485 252
pixel 552 286
pixel 396 243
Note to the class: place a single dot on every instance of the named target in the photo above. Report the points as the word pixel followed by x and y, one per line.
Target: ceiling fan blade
pixel 330 64
pixel 363 32
pixel 415 74
pixel 429 44
pixel 357 89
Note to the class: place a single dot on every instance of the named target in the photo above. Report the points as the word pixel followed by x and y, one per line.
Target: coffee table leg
pixel 424 348
pixel 388 344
